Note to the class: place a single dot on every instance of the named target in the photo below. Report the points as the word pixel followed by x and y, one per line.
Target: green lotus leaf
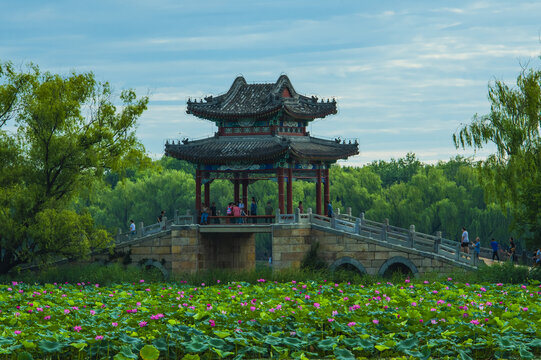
pixel 191 357
pixel 50 346
pixel 327 344
pixel 343 354
pixel 24 356
pixel 149 352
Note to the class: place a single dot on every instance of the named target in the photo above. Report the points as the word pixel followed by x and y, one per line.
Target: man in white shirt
pixel 465 241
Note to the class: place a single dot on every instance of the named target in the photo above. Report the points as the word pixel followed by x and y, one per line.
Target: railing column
pixel 412 236
pixel 437 242
pixel 457 252
pixel 333 222
pixel 384 230
pixel 310 215
pixel 318 193
pixel 348 210
pixel 361 216
pixel 118 233
pixel 141 228
pixel 357 226
pixel 337 212
pixel 188 213
pixel 297 215
pixel 277 216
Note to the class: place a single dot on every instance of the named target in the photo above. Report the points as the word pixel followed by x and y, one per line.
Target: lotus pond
pixel 270 320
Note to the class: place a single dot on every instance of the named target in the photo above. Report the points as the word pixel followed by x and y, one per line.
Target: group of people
pixel 465 244
pixel 236 210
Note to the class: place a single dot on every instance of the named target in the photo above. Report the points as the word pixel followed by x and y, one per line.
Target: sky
pixel 405 74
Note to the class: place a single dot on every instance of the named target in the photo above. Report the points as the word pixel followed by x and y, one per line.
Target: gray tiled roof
pixel 220 150
pixel 260 100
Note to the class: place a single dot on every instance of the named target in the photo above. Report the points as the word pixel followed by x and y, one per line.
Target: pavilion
pixel 262 135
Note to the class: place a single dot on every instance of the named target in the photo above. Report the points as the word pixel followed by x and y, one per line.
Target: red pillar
pixel 290 191
pixel 326 187
pixel 280 173
pixel 318 192
pixel 236 191
pixel 245 194
pixel 207 194
pixel 197 191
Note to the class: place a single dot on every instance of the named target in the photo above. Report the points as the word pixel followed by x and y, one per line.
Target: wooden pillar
pixel 318 192
pixel 245 194
pixel 197 191
pixel 207 194
pixel 280 173
pixel 236 191
pixel 290 190
pixel 326 187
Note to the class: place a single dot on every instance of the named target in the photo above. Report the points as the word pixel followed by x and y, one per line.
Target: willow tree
pixel 512 175
pixel 58 133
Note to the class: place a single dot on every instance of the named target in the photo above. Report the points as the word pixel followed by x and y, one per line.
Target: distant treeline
pixel 442 197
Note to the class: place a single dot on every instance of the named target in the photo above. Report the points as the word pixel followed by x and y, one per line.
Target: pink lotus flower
pixel 77 328
pixel 317 305
pixel 414 304
pixel 48 317
pixel 66 311
pixel 330 319
pixel 143 324
pixel 115 324
pixel 375 321
pixel 252 308
pixel 212 323
pixel 99 337
pixel 351 324
pixel 17 332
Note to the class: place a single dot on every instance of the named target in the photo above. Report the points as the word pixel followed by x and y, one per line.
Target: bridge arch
pixel 398 263
pixel 346 260
pixel 153 263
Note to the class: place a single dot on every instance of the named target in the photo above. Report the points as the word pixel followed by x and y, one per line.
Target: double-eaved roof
pixel 245 100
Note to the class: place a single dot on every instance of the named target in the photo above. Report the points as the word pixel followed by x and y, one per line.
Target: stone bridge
pixel 180 246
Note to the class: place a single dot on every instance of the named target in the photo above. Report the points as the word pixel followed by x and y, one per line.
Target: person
pixel 477 247
pixel 465 243
pixel 537 258
pixel 237 213
pixel 494 245
pixel 160 217
pixel 512 250
pixel 132 228
pixel 268 211
pixel 330 212
pixel 229 211
pixel 301 209
pixel 213 213
pixel 253 210
pixel 204 214
pixel 241 205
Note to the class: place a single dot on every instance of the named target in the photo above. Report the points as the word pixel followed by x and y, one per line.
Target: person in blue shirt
pixel 330 212
pixel 253 210
pixel 495 246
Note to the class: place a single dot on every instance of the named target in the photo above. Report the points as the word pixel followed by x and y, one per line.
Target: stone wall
pixel 227 251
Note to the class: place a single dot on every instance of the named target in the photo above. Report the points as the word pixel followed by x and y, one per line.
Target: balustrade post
pixel 141 229
pixel 357 226
pixel 385 227
pixel 348 210
pixel 437 242
pixel 310 215
pixel 457 252
pixel 118 235
pixel 333 222
pixel 188 213
pixel 297 215
pixel 337 212
pixel 176 216
pixel 277 216
pixel 361 216
pixel 412 236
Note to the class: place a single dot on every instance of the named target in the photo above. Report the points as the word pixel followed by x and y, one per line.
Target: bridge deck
pixel 236 228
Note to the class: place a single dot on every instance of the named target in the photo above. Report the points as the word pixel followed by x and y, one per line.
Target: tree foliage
pixel 512 175
pixel 68 132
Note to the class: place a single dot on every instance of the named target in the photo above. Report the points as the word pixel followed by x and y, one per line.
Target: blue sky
pixel 405 74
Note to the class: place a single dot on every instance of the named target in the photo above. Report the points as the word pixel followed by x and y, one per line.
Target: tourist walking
pixel 330 211
pixel 204 214
pixel 237 214
pixel 537 258
pixel 477 247
pixel 132 228
pixel 465 243
pixel 253 210
pixel 161 216
pixel 301 209
pixel 512 250
pixel 495 247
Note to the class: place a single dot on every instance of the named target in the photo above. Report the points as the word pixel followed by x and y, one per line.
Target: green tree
pixel 68 132
pixel 513 173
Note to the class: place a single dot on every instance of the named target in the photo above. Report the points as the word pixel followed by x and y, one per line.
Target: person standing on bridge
pixel 512 250
pixel 465 243
pixel 495 247
pixel 301 209
pixel 237 213
pixel 213 213
pixel 477 247
pixel 160 217
pixel 253 210
pixel 330 212
pixel 132 228
pixel 204 214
